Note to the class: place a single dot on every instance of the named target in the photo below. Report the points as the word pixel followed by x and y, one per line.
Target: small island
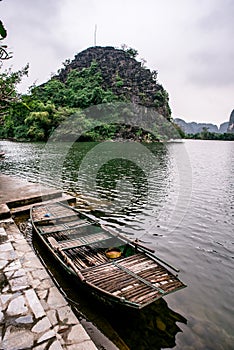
pixel 97 75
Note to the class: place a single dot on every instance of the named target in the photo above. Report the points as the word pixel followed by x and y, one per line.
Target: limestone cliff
pixel 231 123
pixel 127 78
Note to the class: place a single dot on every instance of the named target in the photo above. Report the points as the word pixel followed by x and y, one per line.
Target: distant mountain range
pixel 195 128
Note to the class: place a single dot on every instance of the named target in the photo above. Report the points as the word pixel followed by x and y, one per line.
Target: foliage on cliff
pixel 97 75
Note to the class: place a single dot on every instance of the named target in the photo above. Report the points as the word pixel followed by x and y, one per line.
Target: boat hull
pixel 134 279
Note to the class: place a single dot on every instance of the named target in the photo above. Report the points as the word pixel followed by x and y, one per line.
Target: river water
pixel 176 197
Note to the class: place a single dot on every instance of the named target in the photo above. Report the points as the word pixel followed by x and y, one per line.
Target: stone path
pixel 16 195
pixel 13 189
pixel 33 313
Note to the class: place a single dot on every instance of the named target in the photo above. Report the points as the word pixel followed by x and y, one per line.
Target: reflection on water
pixel 151 328
pixel 130 181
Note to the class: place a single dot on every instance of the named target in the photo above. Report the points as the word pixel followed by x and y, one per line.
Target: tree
pixel 204 134
pixel 8 93
pixel 82 89
pixel 129 50
pixel 4 55
pixel 43 118
pixel 132 52
pixel 154 75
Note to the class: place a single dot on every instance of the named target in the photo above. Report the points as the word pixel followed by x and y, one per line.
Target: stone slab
pixel 55 298
pixel 77 334
pixel 3 234
pixel 55 346
pixel 34 303
pixel 5 247
pixel 17 306
pixel 19 191
pixel 26 208
pixel 42 325
pixel 4 211
pixel 17 339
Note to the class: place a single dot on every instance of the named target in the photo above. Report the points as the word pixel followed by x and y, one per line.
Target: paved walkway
pixel 33 313
pixel 14 189
pixel 16 192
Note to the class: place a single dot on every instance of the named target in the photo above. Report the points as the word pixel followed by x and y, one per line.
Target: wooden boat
pixel 106 263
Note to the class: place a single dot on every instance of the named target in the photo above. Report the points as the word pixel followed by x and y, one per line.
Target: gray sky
pixel 189 42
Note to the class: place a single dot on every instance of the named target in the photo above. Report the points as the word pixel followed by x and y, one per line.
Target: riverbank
pixel 16 195
pixel 33 312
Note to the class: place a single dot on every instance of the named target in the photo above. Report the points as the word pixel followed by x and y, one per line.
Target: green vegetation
pixel 81 90
pixel 9 97
pixel 3 32
pixel 34 116
pixel 160 97
pixel 133 53
pixel 119 81
pixel 4 55
pixel 207 135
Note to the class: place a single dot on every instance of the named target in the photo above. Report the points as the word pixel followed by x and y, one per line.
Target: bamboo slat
pixel 134 285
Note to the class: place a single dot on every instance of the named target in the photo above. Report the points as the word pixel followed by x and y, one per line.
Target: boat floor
pixel 51 211
pixel 138 279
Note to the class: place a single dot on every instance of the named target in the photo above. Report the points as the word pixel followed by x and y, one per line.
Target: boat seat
pixel 47 229
pixel 83 240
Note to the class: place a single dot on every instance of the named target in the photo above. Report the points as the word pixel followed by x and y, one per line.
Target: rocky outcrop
pixel 196 128
pixel 231 123
pixel 123 75
pixel 223 127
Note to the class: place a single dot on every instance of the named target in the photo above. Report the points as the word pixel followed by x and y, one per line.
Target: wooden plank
pixel 83 240
pixel 53 228
pixel 153 272
pixel 136 292
pixel 141 267
pixel 121 284
pixel 106 273
pixel 172 286
pixel 127 283
pixel 108 280
pixel 90 258
pixel 143 294
pixel 146 298
pixel 117 282
pixel 101 268
pixel 51 220
pixel 54 210
pixel 138 277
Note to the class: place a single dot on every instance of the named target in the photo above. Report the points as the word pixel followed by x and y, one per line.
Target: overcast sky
pixel 189 43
